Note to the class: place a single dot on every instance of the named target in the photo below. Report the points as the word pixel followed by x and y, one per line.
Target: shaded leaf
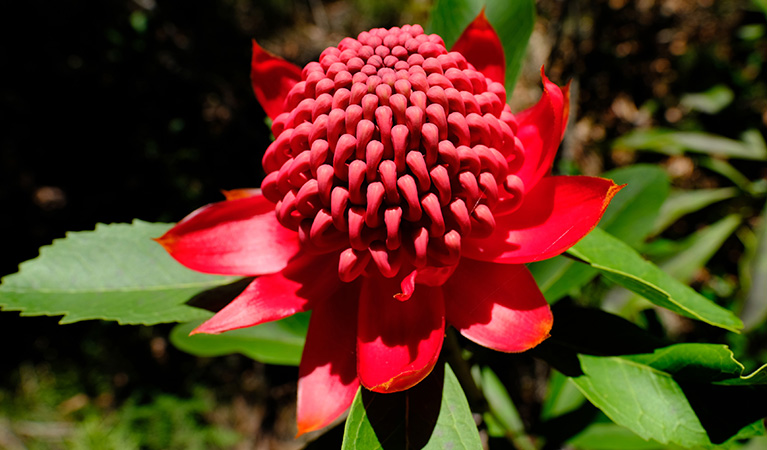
pixel 513 21
pixel 279 342
pixel 699 248
pixel 569 337
pixel 503 410
pixel 711 101
pixel 680 203
pixel 561 397
pixel 623 265
pixel 672 142
pixel 755 308
pixel 432 415
pixel 113 273
pixel 727 170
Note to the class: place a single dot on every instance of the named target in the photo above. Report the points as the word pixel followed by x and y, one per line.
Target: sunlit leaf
pixel 713 363
pixel 623 265
pixel 279 342
pixel 609 436
pixel 647 401
pixel 113 273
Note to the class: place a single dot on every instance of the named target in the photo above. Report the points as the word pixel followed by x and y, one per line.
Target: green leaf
pixel 699 248
pixel 681 202
pixel 674 381
pixel 711 101
pixel 645 400
pixel 562 396
pixel 623 265
pixel 630 217
pixel 513 21
pixel 608 436
pixel 755 308
pixel 762 5
pixel 503 410
pixel 432 415
pixel 113 273
pixel 279 342
pixel 632 212
pixel 727 170
pixel 672 142
pixel 711 363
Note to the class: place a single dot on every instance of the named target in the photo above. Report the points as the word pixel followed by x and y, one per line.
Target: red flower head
pixel 401 195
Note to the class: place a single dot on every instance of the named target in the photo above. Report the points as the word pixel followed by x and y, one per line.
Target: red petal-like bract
pixel 398 342
pixel 559 212
pixel 235 237
pixel 327 379
pixel 540 129
pixel 272 78
pixel 504 311
pixel 480 45
pixel 307 279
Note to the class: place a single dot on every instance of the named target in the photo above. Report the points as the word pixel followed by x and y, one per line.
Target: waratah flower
pixel 401 196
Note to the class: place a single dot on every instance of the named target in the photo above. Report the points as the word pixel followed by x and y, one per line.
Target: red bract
pixel 401 195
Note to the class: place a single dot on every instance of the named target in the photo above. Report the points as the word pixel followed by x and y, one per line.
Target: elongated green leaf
pixel 755 308
pixel 629 217
pixel 113 273
pixel 699 248
pixel 727 170
pixel 513 21
pixel 279 342
pixel 711 101
pixel 680 203
pixel 503 410
pixel 432 415
pixel 673 142
pixel 623 265
pixel 645 400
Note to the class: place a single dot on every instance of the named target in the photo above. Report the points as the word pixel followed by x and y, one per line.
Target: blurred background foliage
pixel 120 109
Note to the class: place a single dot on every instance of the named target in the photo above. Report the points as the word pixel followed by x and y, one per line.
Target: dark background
pixel 114 110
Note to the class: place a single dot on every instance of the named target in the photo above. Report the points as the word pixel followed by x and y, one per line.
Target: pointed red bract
pixel 552 218
pixel 505 311
pixel 307 279
pixel 541 128
pixel 480 45
pixel 272 77
pixel 236 237
pixel 327 379
pixel 236 194
pixel 398 342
